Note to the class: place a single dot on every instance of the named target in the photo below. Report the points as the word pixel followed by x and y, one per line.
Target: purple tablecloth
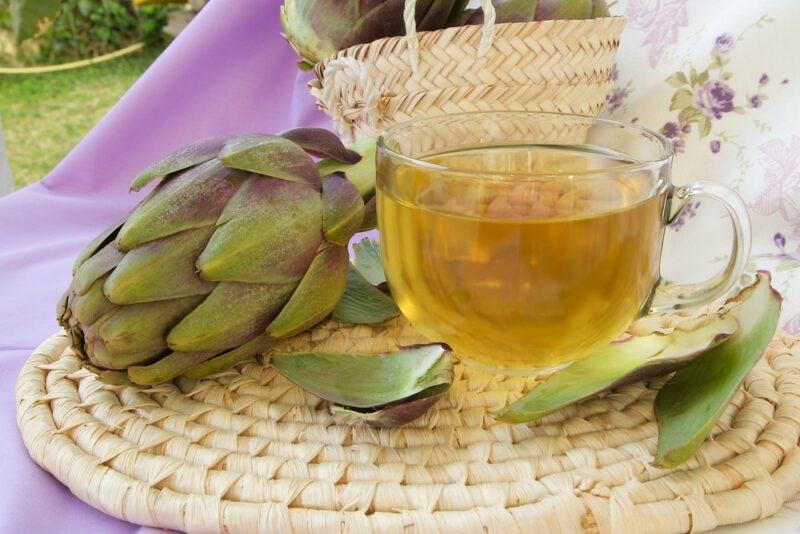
pixel 229 72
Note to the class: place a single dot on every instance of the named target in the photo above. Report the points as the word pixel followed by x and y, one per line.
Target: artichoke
pixel 242 242
pixel 536 10
pixel 318 28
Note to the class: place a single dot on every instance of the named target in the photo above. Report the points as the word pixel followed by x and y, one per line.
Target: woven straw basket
pixel 557 65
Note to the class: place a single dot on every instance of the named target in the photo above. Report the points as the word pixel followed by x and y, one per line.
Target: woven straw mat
pixel 246 451
pixel 556 65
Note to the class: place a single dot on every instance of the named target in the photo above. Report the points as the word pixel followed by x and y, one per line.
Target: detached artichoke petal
pixel 342 209
pixel 316 295
pixel 363 303
pixel 367 259
pixel 321 143
pixel 690 403
pixel 270 155
pixel 620 363
pixel 370 380
pixel 393 415
pixel 183 158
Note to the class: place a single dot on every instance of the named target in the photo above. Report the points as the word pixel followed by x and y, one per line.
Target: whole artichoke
pixel 242 242
pixel 319 28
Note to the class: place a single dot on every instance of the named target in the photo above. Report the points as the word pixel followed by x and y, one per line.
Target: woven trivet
pixel 246 451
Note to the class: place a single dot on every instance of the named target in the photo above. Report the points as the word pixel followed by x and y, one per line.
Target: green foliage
pixel 81 29
pixel 27 16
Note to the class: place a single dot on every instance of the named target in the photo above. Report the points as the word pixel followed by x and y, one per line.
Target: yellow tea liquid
pixel 517 274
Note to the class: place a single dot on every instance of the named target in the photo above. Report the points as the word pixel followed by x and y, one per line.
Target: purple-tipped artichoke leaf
pixel 390 416
pixel 183 158
pixel 270 155
pixel 363 303
pixel 269 233
pixel 322 143
pixel 369 380
pixel 622 362
pixel 688 406
pixel 191 199
pixel 361 174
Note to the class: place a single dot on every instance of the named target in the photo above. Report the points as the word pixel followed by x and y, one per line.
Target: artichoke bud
pixel 242 241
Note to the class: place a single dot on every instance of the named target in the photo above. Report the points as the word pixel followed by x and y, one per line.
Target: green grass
pixel 45 115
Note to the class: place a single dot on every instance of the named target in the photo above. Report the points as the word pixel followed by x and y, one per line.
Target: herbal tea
pixel 516 273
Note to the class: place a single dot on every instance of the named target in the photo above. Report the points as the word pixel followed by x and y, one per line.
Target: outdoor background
pixel 44 112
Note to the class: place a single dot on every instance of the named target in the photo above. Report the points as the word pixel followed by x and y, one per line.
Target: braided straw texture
pixel 556 65
pixel 246 451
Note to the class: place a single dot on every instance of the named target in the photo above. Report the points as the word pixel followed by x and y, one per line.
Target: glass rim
pixel 666 154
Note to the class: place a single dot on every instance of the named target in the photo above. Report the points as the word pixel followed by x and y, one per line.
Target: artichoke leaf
pixel 342 209
pixel 363 303
pixel 321 143
pixel 316 294
pixel 361 174
pixel 167 368
pixel 181 159
pixel 367 259
pixel 622 362
pixel 270 155
pixel 191 199
pixel 240 354
pixel 103 262
pixel 371 381
pixel 688 406
pixel 103 239
pixel 392 415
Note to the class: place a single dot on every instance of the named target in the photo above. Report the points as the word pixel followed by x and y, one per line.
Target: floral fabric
pixel 721 80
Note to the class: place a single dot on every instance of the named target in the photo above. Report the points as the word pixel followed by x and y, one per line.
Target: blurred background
pixel 63 64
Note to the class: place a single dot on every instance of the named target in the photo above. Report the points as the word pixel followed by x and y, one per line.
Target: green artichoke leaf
pixel 167 368
pixel 88 307
pixel 507 11
pixel 342 209
pixel 269 233
pixel 144 327
pixel 104 238
pixel 362 174
pixel 363 303
pixel 374 381
pixel 163 269
pixel 191 199
pixel 232 314
pixel 106 259
pixel 688 406
pixel 183 158
pixel 270 155
pixel 322 143
pixel 220 363
pixel 392 415
pixel 367 259
pixel 622 362
pixel 316 295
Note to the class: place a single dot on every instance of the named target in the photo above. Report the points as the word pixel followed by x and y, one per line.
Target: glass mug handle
pixel 670 296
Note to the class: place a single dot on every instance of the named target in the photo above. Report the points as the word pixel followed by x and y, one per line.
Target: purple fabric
pixel 229 72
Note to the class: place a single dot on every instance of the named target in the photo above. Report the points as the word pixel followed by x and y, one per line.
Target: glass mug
pixel 527 240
